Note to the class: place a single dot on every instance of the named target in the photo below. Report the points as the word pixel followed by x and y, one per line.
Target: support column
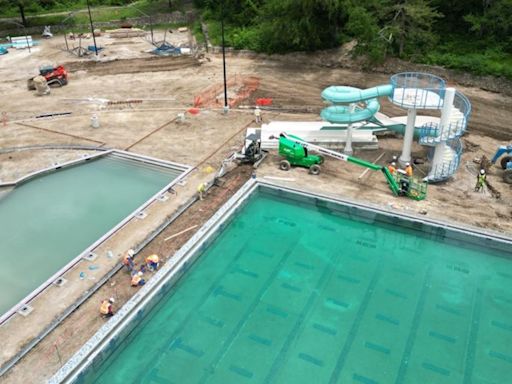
pixel 405 157
pixel 348 143
pixel 444 125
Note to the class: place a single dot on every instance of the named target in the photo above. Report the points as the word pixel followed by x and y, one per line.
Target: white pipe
pixel 405 157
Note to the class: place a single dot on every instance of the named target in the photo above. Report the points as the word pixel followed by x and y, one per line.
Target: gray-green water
pixel 289 293
pixel 50 220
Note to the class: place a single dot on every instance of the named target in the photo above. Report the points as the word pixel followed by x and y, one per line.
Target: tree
pixel 410 24
pixel 289 25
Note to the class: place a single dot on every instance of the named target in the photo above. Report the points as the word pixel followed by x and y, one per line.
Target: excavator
pixel 296 152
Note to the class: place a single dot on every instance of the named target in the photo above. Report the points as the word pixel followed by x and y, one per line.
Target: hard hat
pixel 394 157
pixel 482 171
pixel 407 164
pixel 112 300
pixel 393 163
pixel 140 273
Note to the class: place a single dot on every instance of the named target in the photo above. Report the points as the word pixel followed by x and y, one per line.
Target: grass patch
pixel 477 57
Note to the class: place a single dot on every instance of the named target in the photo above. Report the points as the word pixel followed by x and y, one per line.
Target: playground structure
pixel 412 91
pixel 295 152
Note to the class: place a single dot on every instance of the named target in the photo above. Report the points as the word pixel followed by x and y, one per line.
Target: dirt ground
pixel 138 98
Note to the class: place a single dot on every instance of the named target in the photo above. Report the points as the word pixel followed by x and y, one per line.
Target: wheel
pixel 314 169
pixel 284 165
pixel 504 161
pixel 63 81
pixel 507 176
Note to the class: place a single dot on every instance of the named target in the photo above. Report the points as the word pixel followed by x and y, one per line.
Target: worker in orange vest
pixel 152 261
pixel 408 169
pixel 128 260
pixel 137 279
pixel 106 307
pixel 392 167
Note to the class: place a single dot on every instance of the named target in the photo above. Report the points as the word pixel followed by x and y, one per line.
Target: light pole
pixel 92 29
pixel 226 108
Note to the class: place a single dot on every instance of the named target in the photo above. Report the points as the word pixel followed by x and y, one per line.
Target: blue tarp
pixel 167 50
pixel 3 51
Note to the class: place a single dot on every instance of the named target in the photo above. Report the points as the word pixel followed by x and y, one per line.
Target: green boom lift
pixel 296 152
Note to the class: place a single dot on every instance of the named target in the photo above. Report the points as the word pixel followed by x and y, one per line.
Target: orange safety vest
pixel 135 280
pixel 105 307
pixel 408 170
pixel 152 259
pixel 391 169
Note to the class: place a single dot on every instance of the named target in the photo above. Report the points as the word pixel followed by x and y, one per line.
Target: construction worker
pixel 152 261
pixel 201 188
pixel 408 169
pixel 128 260
pixel 480 180
pixel 106 307
pixel 392 167
pixel 257 114
pixel 137 279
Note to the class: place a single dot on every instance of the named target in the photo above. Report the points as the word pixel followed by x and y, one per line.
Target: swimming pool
pixel 302 289
pixel 51 218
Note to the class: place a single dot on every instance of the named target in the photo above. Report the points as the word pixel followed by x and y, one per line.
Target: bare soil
pixel 166 87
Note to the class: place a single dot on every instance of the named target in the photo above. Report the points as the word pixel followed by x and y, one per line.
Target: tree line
pixel 467 34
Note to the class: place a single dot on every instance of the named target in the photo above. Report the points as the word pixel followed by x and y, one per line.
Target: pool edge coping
pixel 85 356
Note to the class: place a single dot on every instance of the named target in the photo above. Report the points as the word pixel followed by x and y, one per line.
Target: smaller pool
pixel 50 219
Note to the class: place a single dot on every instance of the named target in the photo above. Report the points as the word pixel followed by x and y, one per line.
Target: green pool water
pixel 48 221
pixel 293 293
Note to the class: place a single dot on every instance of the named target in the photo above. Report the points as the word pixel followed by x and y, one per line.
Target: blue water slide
pixel 342 94
pixel 341 114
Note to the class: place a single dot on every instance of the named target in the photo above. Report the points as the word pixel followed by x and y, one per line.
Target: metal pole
pixel 151 26
pixel 224 58
pixel 92 28
pixel 26 38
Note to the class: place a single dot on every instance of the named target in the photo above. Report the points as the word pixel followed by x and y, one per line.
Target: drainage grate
pixel 141 215
pixel 25 310
pixel 60 282
pixel 91 256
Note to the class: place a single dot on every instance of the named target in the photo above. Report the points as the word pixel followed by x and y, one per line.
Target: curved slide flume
pixel 344 114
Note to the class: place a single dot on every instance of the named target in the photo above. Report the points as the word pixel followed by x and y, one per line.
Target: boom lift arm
pixel 399 184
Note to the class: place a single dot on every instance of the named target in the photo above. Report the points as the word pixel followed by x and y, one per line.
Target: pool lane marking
pixel 241 371
pixel 440 336
pixel 311 359
pixel 504 326
pixel 363 379
pixel 260 340
pixel 394 293
pixel 250 309
pixel 387 319
pixel 436 369
pixel 205 297
pixel 501 356
pixel 322 281
pixel 377 347
pixel 473 334
pixel 340 362
pixel 413 330
pixel 349 279
pixel 325 329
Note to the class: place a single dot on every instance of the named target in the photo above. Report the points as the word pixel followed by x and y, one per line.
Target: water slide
pixel 344 114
